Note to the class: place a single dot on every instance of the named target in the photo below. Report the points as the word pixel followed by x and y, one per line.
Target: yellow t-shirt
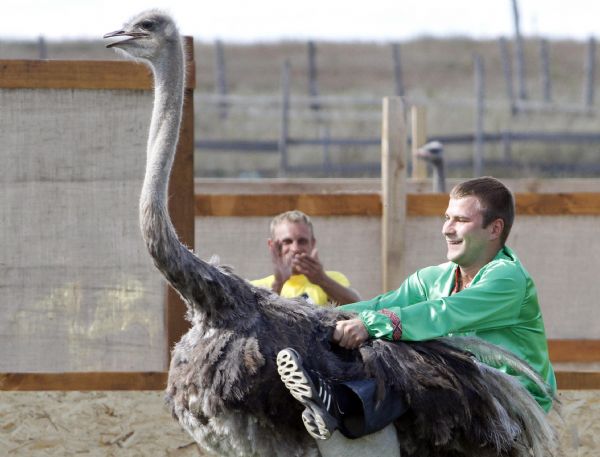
pixel 300 286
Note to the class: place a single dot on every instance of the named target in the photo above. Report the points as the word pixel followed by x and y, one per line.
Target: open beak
pixel 130 36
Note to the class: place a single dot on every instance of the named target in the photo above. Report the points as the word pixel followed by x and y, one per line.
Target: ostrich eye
pixel 147 25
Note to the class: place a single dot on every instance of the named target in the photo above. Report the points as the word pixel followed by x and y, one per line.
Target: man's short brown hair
pixel 496 199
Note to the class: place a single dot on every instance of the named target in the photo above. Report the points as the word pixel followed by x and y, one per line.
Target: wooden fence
pixel 393 205
pixel 581 351
pixel 114 76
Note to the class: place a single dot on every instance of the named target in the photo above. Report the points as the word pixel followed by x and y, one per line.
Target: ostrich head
pixel 145 35
pixel 432 152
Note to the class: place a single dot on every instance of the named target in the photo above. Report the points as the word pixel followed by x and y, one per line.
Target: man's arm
pixel 493 302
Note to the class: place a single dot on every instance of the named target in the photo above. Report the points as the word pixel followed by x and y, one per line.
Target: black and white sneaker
pixel 321 414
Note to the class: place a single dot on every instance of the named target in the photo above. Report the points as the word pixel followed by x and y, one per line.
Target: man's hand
pixel 282 268
pixel 310 266
pixel 350 334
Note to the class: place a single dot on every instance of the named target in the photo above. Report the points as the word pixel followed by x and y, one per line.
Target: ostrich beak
pixel 130 36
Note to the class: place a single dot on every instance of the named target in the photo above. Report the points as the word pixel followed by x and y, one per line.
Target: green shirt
pixel 500 306
pixel 299 285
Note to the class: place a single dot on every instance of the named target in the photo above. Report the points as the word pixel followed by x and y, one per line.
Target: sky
pixel 273 20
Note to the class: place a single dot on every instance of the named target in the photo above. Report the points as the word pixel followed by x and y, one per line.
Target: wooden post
pixel 479 114
pixel 418 115
pixel 181 202
pixel 313 85
pixel 221 78
pixel 399 84
pixel 508 76
pixel 520 52
pixel 545 70
pixel 590 73
pixel 285 112
pixel 42 48
pixel 393 192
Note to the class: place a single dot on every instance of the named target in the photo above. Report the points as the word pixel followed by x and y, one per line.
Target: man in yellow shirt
pixel 297 270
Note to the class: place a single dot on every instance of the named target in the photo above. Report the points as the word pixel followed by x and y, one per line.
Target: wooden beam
pixel 369 204
pixel 578 380
pixel 181 207
pixel 123 381
pixel 577 351
pixel 81 74
pixel 568 204
pixel 247 205
pixel 527 204
pixel 83 381
pixel 74 74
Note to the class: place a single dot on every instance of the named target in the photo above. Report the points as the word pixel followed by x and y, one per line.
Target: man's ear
pixel 496 228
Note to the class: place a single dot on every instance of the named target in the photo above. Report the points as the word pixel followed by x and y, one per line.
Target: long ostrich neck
pixel 208 292
pixel 157 229
pixel 439 177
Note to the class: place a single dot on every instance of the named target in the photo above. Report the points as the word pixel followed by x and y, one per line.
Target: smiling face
pixel 294 238
pixel 470 245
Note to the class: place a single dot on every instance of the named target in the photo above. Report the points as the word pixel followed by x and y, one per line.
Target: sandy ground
pixel 137 424
pixel 90 424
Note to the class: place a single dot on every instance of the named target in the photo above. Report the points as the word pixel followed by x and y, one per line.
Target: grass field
pixel 438 74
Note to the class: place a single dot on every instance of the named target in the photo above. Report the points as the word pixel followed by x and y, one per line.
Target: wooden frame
pixel 184 207
pixel 370 204
pixel 423 205
pixel 116 75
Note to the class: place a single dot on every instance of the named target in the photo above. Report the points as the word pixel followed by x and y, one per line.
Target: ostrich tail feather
pixel 497 357
pixel 537 438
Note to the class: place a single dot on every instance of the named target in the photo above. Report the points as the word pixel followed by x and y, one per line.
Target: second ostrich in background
pixel 433 153
pixel 223 384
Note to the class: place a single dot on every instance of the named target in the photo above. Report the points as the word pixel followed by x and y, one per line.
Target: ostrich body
pixel 223 385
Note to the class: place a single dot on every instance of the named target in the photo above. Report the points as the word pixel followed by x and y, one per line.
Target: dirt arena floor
pixel 137 424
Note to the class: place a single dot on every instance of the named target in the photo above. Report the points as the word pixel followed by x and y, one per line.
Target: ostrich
pixel 433 153
pixel 223 386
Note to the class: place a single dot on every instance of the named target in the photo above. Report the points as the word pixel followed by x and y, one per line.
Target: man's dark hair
pixel 496 200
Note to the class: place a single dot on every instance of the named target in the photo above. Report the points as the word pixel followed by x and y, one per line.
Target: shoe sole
pixel 293 376
pixel 319 424
pixel 316 424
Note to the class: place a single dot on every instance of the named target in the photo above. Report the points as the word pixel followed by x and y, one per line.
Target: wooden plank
pixel 393 184
pixel 527 204
pixel 121 381
pixel 578 380
pixel 580 351
pixel 569 204
pixel 83 74
pixel 426 204
pixel 74 74
pixel 181 207
pixel 247 205
pixel 83 381
pixel 419 138
pixel 369 204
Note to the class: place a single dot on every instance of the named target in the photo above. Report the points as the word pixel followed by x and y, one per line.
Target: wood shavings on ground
pixel 91 424
pixel 137 424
